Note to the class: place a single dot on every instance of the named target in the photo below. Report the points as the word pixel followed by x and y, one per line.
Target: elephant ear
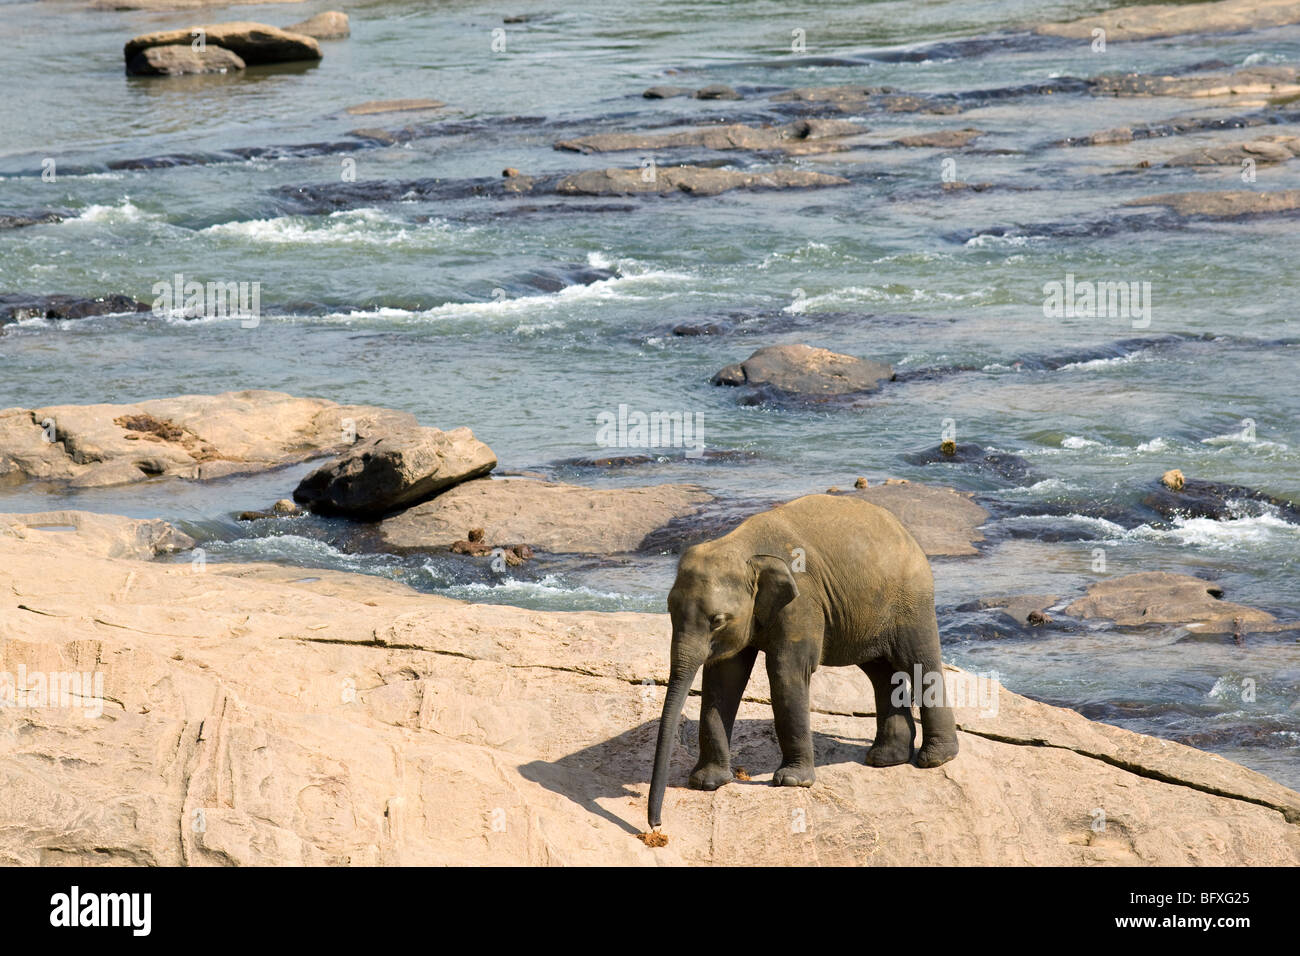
pixel 774 586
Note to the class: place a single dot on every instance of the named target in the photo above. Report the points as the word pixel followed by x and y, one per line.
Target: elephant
pixel 860 593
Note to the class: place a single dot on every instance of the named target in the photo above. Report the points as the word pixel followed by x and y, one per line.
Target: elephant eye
pixel 719 621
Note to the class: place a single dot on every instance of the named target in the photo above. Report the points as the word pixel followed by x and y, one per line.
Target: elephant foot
pixel 709 777
pixel 889 753
pixel 794 775
pixel 935 753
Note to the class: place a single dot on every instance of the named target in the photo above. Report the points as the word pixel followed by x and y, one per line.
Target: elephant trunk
pixel 680 679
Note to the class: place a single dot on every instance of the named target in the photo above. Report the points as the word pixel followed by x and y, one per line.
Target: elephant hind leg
pixel 895 728
pixel 919 643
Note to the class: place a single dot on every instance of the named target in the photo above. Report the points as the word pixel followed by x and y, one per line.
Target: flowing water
pixel 526 319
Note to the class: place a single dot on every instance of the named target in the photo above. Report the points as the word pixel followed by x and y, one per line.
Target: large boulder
pixel 181 59
pixel 343 719
pixel 330 25
pixel 549 516
pixel 191 436
pixel 391 472
pixel 802 370
pixel 254 43
pixel 1158 597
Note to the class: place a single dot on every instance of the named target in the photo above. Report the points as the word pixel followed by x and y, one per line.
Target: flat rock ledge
pixel 191 436
pixel 341 719
pixel 1150 21
pixel 549 516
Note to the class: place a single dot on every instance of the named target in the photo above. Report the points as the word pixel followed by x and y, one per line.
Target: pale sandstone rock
pixel 1157 597
pixel 255 43
pixel 1148 21
pixel 191 436
pixel 252 717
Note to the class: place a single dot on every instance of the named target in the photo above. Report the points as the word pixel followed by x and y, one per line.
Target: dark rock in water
pixel 561 277
pixel 1199 498
pixel 1013 468
pixel 806 372
pixel 30 217
pixel 17 306
pixel 704 328
pixel 181 59
pixel 610 462
pixel 717 91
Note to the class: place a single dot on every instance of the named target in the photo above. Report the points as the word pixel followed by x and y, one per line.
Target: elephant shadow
pixel 620 767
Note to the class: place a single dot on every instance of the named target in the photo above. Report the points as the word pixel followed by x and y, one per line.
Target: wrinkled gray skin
pixel 864 598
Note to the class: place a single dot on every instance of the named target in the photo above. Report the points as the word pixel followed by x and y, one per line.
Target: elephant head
pixel 720 600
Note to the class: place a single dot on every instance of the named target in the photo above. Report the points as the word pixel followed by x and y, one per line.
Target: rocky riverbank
pixel 254 714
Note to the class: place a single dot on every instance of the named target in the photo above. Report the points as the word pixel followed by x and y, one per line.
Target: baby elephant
pixel 820 580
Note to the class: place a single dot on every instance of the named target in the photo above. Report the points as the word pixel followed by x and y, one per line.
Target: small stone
pixel 948 447
pixel 860 483
pixel 1037 619
pixel 475 534
pixel 509 172
pixel 833 490
pixel 285 506
pixel 1173 480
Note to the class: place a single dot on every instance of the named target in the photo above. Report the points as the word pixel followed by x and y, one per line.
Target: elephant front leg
pixel 789 676
pixel 724 684
pixel 895 728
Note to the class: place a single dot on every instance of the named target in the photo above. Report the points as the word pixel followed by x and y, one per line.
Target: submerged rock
pixel 1226 203
pixel 390 472
pixel 943 139
pixel 1265 150
pixel 1177 496
pixel 553 517
pixel 805 371
pixel 15 219
pixel 178 60
pixel 255 43
pixel 18 306
pixel 371 107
